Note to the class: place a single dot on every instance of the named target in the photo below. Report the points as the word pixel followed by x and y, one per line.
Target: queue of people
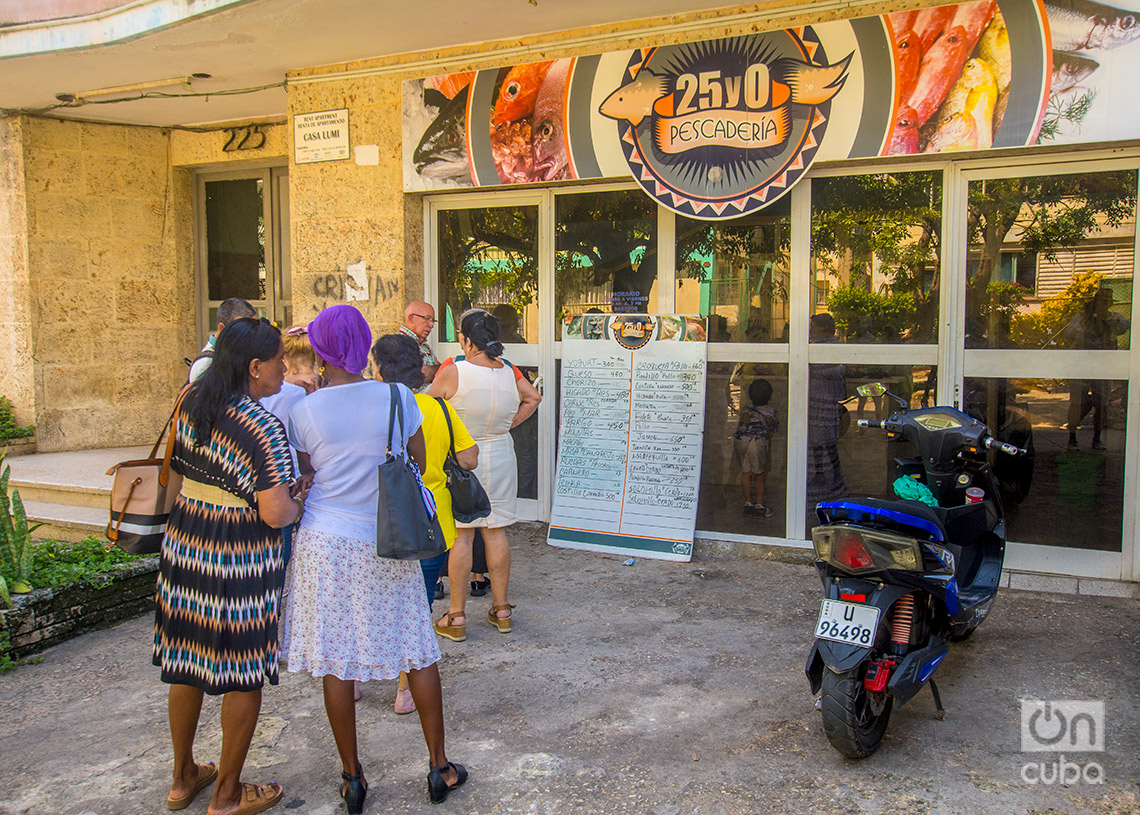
pixel 264 458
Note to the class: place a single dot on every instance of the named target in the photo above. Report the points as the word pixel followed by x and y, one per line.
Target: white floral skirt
pixel 352 614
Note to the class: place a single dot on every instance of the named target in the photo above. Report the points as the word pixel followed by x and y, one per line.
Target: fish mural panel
pixel 717 128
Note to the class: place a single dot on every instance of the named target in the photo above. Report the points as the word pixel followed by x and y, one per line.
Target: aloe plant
pixel 15 539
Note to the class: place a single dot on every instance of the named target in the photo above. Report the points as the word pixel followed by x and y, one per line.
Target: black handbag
pixel 469 501
pixel 407 527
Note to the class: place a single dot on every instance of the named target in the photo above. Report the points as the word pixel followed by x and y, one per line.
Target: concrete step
pixel 65 522
pixel 68 492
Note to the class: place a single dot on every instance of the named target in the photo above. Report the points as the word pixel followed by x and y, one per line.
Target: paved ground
pixel 657 688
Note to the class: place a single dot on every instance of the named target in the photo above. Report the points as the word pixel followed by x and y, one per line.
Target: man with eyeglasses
pixel 419 317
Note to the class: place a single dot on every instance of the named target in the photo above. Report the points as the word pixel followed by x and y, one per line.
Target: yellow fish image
pixel 634 100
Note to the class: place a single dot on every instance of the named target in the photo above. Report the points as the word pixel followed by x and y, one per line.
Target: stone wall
pixel 110 259
pixel 47 617
pixel 345 213
pixel 17 376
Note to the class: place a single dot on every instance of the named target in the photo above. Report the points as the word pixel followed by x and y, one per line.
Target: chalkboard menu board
pixel 629 444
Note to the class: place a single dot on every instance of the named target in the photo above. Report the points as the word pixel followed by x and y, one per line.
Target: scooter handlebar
pixel 1009 449
pixel 869 423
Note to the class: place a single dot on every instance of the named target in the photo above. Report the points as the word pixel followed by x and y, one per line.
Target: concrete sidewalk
pixel 658 688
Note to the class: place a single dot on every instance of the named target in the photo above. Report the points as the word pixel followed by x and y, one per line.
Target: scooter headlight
pixel 856 550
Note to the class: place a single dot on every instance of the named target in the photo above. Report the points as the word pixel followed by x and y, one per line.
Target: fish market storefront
pixel 955 187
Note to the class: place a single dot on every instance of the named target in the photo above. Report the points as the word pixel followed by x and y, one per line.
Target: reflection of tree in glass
pixel 896 219
pixel 1042 214
pixel 488 248
pixel 605 237
pixel 750 256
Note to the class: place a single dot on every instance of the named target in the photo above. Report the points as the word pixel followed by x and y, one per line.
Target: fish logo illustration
pixel 720 128
pixel 634 101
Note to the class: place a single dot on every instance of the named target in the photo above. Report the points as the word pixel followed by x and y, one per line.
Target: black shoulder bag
pixel 406 529
pixel 469 501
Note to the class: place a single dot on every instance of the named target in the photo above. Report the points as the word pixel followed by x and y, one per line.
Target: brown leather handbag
pixel 142 494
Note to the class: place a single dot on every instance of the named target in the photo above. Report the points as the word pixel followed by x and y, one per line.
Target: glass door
pixel 243 244
pixel 1045 309
pixel 486 253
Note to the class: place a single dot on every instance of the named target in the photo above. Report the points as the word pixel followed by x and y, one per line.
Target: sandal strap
pixel 255 792
pixel 451 617
pixel 502 607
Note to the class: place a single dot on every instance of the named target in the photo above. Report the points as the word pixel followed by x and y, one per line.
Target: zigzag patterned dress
pixel 219 581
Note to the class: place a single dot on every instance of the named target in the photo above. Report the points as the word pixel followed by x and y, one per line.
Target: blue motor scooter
pixel 902 578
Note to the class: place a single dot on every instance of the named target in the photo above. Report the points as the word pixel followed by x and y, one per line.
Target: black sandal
pixel 479 587
pixel 353 792
pixel 438 788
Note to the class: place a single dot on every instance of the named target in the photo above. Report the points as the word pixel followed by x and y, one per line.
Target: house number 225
pixel 251 137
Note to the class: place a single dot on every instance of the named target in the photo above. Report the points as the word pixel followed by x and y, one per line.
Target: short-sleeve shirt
pixel 247 452
pixel 280 403
pixel 425 350
pixel 757 422
pixel 438 444
pixel 344 429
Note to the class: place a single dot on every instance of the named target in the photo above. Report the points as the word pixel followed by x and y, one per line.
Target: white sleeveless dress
pixel 487 400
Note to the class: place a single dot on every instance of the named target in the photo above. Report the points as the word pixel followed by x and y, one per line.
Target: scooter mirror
pixel 871 390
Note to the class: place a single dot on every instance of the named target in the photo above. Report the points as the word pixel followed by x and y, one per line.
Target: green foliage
pixel 1003 300
pixel 58 564
pixel 8 427
pixel 15 539
pixel 866 316
pixel 7 663
pixel 1047 327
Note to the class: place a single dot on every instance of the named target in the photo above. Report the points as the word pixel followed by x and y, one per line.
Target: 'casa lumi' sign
pixel 320 136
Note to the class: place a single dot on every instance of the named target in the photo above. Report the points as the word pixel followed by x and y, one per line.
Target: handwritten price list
pixel 630 447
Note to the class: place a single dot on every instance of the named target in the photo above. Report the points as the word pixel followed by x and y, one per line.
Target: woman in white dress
pixel 490 397
pixel 352 615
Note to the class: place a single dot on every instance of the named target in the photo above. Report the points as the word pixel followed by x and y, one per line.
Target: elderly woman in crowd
pixel 490 399
pixel 219 577
pixel 352 615
pixel 397 358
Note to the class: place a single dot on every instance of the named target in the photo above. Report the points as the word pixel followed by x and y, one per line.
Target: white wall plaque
pixel 320 136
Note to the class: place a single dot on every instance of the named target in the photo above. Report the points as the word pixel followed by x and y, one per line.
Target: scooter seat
pixel 960 524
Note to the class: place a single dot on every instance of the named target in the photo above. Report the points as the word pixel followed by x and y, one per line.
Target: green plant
pixel 8 427
pixel 7 662
pixel 58 564
pixel 15 540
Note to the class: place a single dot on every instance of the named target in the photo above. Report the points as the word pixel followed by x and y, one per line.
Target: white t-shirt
pixel 281 403
pixel 344 429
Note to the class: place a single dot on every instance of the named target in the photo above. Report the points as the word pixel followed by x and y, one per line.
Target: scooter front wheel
pixel 854 718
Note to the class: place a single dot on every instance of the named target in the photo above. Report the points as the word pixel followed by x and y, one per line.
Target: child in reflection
pixel 753 443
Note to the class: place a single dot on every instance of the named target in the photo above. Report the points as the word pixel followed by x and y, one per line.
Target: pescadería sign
pixel 720 128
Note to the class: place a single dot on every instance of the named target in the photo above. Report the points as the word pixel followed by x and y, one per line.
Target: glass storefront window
pixel 1050 261
pixel 757 462
pixel 842 458
pixel 736 274
pixel 1069 489
pixel 605 254
pixel 488 258
pixel 875 243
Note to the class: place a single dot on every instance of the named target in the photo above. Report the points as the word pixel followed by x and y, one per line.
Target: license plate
pixel 851 623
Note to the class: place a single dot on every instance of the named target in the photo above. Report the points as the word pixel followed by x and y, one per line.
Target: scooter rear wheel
pixel 854 719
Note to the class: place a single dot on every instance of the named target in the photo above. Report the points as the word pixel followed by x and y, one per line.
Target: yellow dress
pixel 438 443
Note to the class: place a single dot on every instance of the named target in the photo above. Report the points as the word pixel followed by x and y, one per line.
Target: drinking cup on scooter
pixel 975 495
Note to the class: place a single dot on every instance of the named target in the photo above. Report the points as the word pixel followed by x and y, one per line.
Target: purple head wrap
pixel 341 337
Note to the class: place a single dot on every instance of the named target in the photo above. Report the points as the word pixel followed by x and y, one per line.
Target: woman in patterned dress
pixel 353 616
pixel 219 577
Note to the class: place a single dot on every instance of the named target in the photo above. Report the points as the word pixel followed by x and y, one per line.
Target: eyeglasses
pixel 424 317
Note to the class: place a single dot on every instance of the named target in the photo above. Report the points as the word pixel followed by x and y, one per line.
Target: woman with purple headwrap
pixel 352 615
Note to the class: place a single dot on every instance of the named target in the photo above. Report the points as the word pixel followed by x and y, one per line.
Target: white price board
pixel 629 452
pixel 320 136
